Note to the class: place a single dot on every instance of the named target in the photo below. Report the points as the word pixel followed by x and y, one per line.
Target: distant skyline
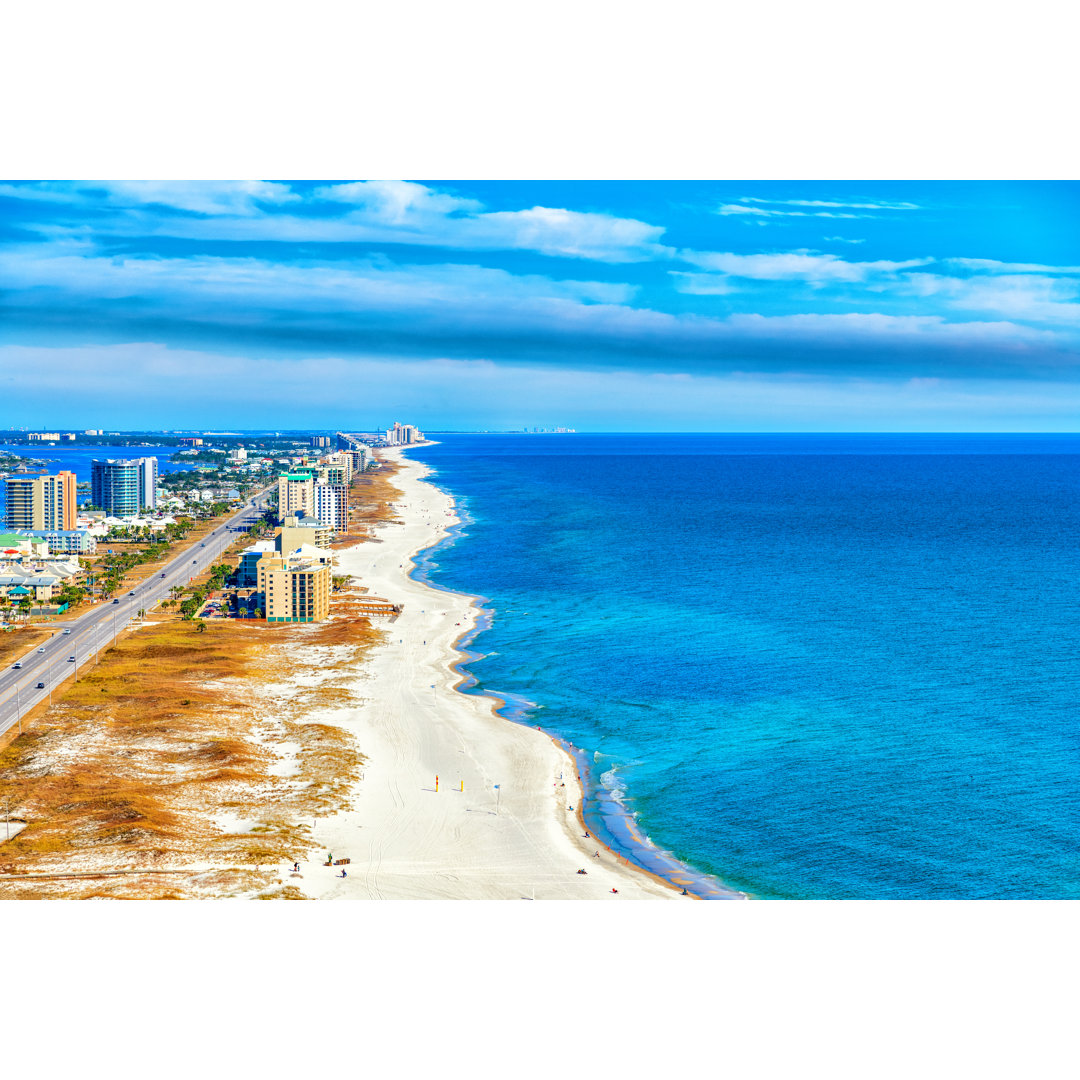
pixel 601 306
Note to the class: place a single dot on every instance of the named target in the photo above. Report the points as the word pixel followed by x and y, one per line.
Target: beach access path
pixel 466 840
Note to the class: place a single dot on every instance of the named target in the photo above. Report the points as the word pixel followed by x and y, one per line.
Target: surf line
pixel 599 813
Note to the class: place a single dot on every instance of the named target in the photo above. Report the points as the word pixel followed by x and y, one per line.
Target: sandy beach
pixel 404 838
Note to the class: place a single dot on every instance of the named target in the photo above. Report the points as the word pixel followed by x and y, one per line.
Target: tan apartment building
pixel 298 530
pixel 292 589
pixel 41 502
pixel 296 494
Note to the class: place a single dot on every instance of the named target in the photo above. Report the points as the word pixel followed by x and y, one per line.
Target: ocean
pixel 812 666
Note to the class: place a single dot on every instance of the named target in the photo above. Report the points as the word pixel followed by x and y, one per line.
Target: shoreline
pixel 600 814
pixel 455 801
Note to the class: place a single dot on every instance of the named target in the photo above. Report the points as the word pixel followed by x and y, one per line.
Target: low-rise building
pixel 64 541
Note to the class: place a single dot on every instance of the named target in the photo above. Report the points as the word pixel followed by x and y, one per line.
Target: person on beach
pixel 583 871
pixel 596 854
pixel 343 874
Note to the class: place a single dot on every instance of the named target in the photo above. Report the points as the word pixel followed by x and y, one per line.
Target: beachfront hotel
pixel 294 588
pixel 124 487
pixel 41 502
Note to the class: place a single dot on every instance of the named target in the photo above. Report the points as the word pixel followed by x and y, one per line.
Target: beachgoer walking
pixel 596 855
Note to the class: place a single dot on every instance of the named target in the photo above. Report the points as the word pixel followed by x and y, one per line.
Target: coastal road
pixel 81 639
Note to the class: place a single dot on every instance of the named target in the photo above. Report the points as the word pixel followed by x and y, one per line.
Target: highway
pixel 81 639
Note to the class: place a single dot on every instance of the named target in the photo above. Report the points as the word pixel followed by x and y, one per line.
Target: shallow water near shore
pixel 812 666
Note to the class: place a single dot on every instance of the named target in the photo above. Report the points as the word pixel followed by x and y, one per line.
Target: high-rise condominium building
pixel 296 494
pixel 41 502
pixel 332 506
pixel 403 435
pixel 124 487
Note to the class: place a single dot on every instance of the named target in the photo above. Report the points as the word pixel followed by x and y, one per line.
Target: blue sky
pixel 655 306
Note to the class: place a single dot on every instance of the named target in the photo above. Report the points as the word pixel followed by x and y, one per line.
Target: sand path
pixel 407 841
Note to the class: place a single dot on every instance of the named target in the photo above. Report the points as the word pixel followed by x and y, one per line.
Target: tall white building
pixel 332 505
pixel 403 435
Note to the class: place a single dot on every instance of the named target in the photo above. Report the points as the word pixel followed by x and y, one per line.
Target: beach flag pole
pixel 498 794
pixel 436 781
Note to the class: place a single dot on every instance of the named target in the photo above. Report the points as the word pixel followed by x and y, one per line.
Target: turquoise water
pixel 813 666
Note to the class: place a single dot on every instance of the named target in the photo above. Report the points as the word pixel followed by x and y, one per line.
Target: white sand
pixel 407 841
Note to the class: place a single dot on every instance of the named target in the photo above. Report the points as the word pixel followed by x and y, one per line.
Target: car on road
pixel 132 593
pixel 117 601
pixel 42 649
pixel 71 659
pixel 67 631
pixel 162 575
pixel 40 686
pixel 18 663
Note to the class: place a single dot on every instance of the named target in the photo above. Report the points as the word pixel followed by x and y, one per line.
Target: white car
pixel 71 659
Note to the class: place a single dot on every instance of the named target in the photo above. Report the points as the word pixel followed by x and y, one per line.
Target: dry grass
pixel 371 493
pixel 165 756
pixel 14 643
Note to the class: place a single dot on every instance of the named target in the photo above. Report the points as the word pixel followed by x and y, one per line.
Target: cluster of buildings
pixel 30 571
pixel 292 575
pixel 403 435
pixel 321 491
pixel 58 436
pixel 45 507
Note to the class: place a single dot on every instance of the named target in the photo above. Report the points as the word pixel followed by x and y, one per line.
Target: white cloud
pixel 794 266
pixel 1028 296
pixel 996 267
pixel 240 197
pixel 873 205
pixel 377 211
pixel 397 202
pixel 759 212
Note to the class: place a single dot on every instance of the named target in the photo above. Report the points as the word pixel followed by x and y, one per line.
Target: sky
pixel 601 306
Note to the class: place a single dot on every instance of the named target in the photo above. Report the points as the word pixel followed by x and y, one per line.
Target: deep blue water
pixel 816 666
